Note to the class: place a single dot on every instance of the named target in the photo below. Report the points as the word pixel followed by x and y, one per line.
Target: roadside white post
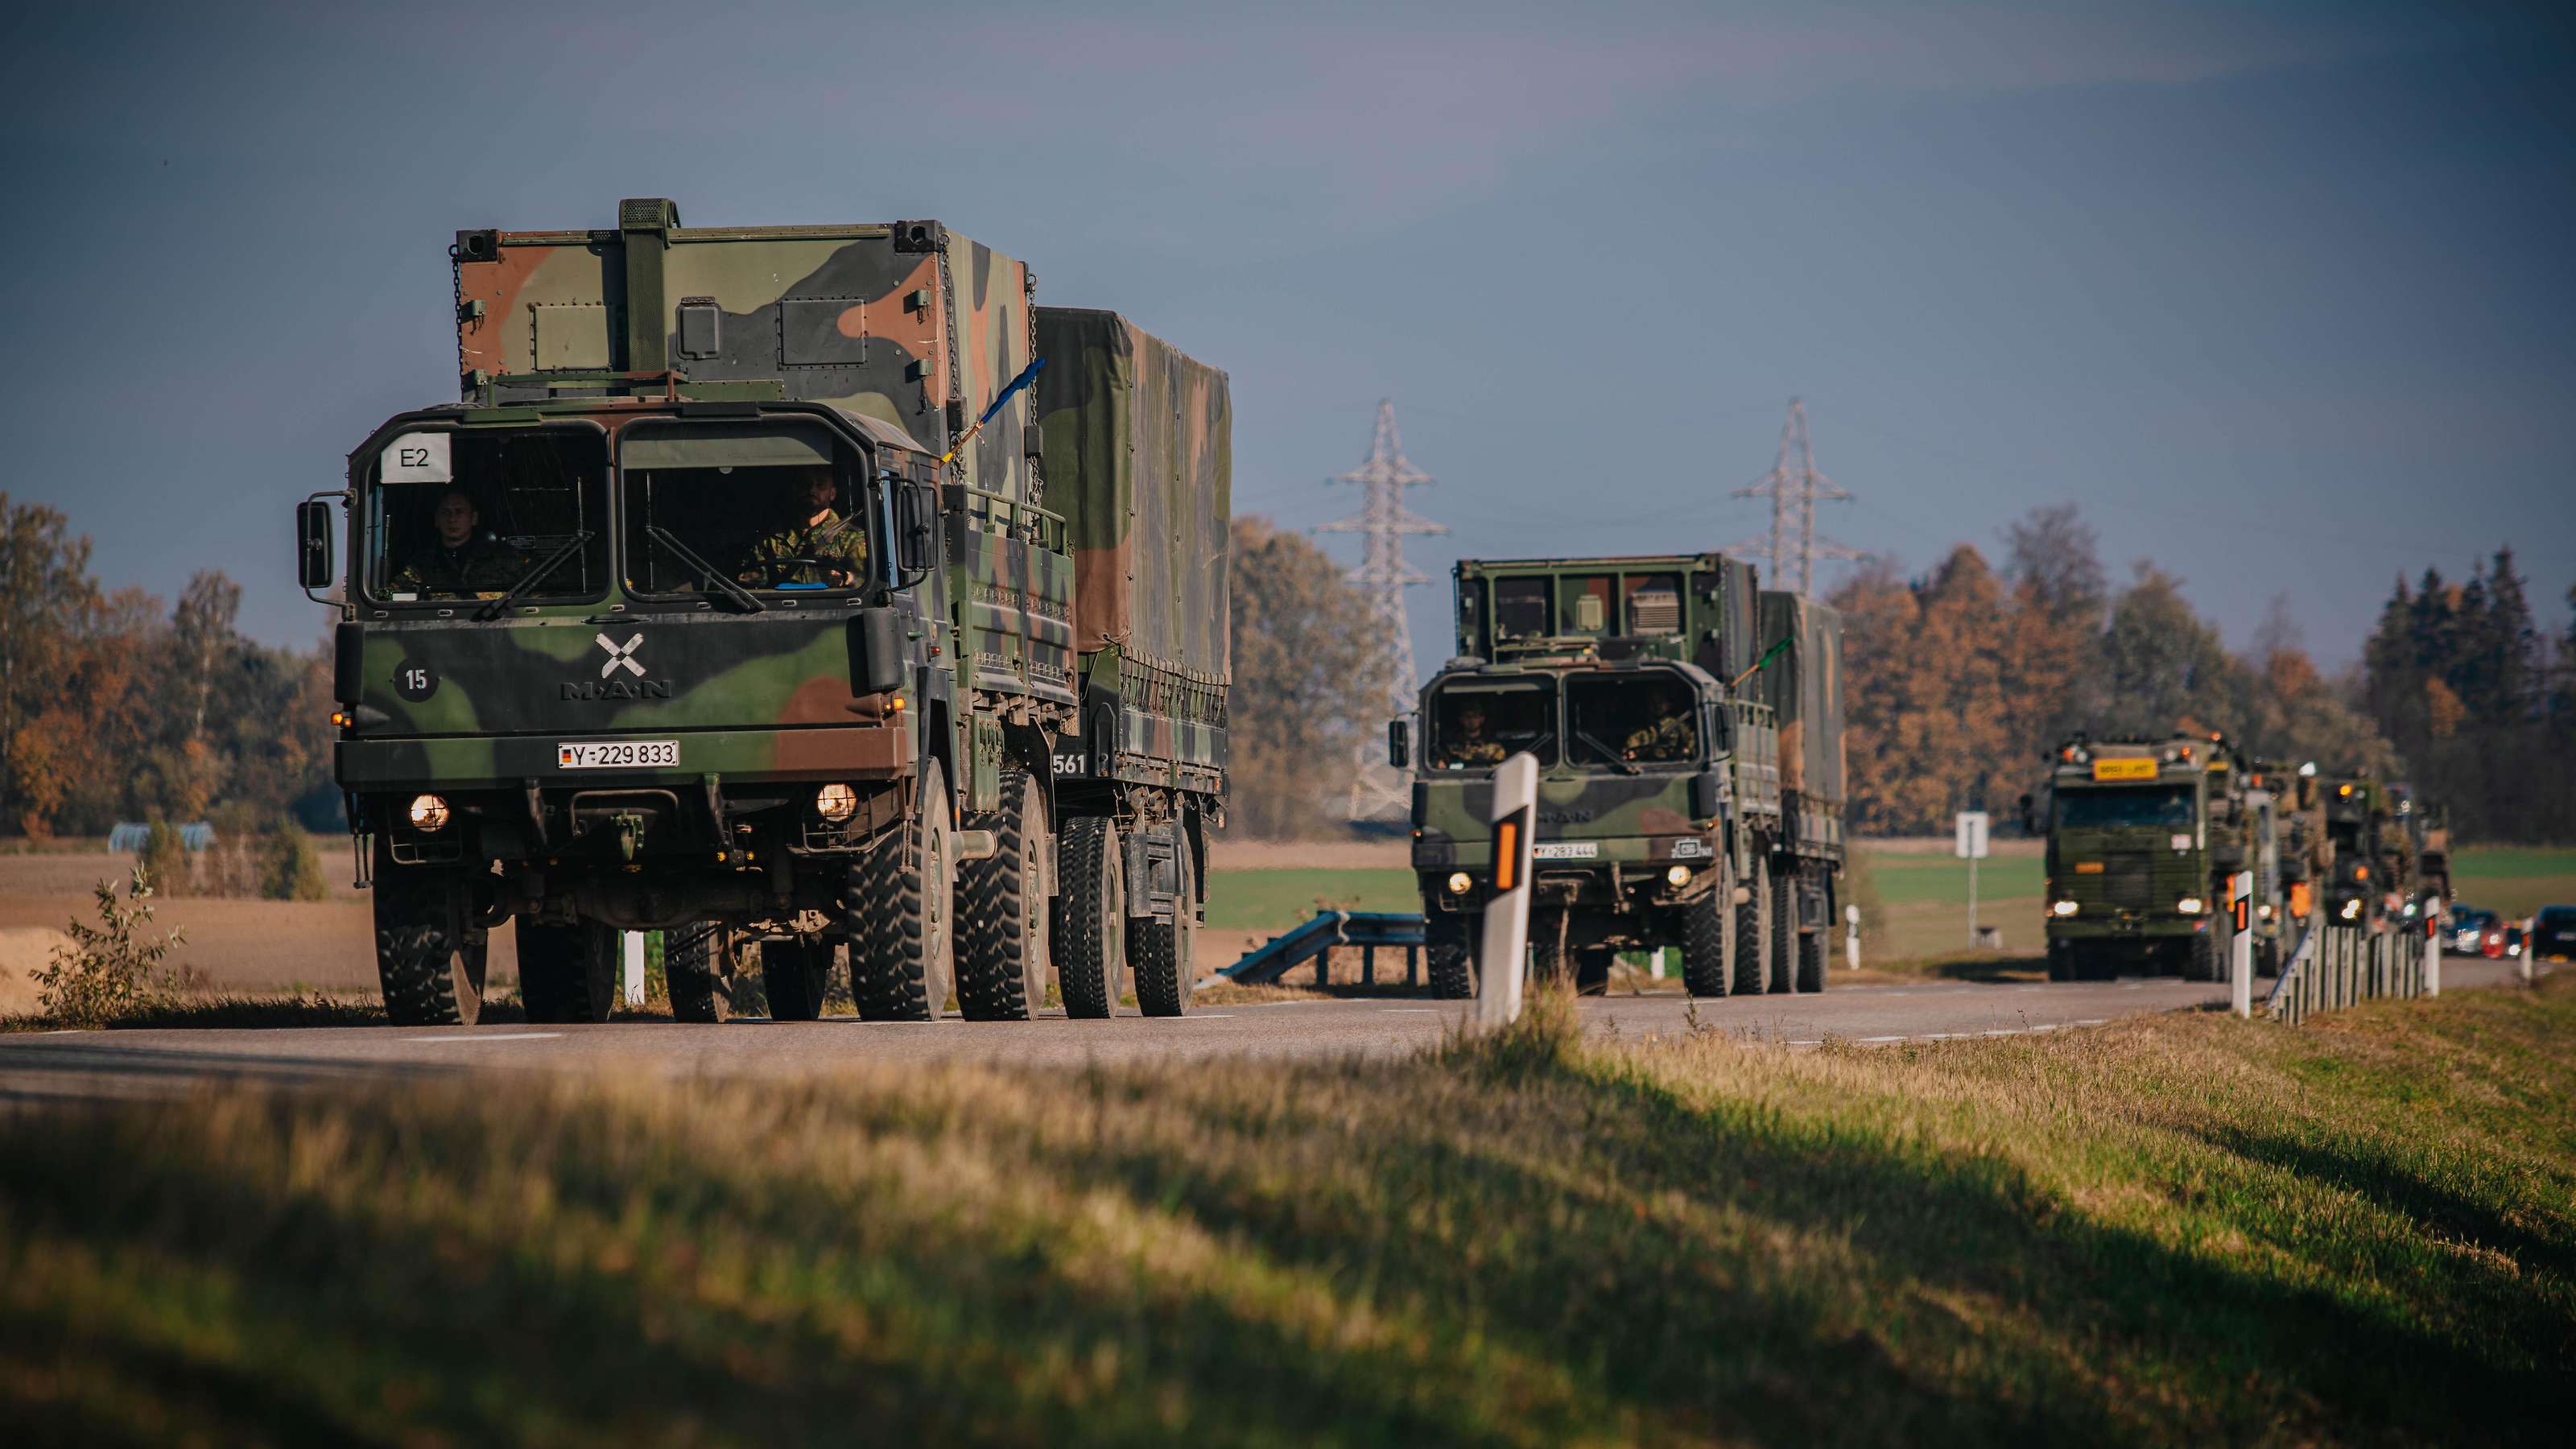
pixel 634 944
pixel 2525 958
pixel 1851 938
pixel 1506 941
pixel 2433 956
pixel 1659 963
pixel 1971 847
pixel 2240 946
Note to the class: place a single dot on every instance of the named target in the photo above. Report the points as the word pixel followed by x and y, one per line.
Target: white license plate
pixel 617 754
pixel 1565 850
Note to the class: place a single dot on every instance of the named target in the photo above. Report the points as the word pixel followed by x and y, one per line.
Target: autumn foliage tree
pixel 1308 684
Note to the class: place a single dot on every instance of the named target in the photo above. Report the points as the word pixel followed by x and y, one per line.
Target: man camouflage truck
pixel 2142 839
pixel 1664 819
pixel 795 645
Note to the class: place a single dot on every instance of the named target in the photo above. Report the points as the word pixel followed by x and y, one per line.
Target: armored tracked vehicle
pixel 748 594
pixel 1690 794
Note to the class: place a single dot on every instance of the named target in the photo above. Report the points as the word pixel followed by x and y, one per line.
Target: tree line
pixel 1959 682
pixel 115 706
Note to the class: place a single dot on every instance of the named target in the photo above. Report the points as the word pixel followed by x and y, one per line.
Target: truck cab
pixel 2143 837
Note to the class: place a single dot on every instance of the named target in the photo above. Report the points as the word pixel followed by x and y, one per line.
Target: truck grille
pixel 2128 881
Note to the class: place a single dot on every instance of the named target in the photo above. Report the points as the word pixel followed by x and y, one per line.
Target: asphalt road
pixel 70 1065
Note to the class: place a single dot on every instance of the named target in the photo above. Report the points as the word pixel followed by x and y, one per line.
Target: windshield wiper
pixel 534 576
pixel 716 580
pixel 1608 754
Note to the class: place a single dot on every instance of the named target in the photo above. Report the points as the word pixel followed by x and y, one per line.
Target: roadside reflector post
pixel 1506 939
pixel 2433 957
pixel 1658 967
pixel 2240 943
pixel 633 941
pixel 1851 938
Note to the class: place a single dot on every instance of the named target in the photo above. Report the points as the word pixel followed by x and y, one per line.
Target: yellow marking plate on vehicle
pixel 2088 867
pixel 2124 769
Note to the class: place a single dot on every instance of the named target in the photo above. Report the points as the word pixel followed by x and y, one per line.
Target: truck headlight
pixel 2351 911
pixel 428 813
pixel 2265 911
pixel 1459 883
pixel 2189 905
pixel 1677 876
pixel 836 802
pixel 2062 908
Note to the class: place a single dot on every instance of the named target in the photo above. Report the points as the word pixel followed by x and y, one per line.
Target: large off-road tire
pixel 428 955
pixel 1784 930
pixel 1591 975
pixel 1753 930
pixel 1448 955
pixel 1708 942
pixel 2201 963
pixel 796 976
pixel 691 956
pixel 1811 960
pixel 902 913
pixel 1158 951
pixel 568 973
pixel 1002 910
pixel 1091 917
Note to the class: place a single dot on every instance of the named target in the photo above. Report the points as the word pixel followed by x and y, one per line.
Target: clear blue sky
pixel 2279 295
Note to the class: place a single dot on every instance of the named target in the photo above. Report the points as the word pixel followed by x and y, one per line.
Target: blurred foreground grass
pixel 2186 1229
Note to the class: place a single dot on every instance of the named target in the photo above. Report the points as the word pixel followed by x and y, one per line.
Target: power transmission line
pixel 1377 792
pixel 1793 485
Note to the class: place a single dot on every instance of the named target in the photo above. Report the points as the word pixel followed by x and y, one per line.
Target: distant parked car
pixel 2553 934
pixel 2466 932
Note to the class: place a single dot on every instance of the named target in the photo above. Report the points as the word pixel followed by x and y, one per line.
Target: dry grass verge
pixel 2180 1230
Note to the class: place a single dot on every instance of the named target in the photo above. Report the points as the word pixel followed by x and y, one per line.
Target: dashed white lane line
pixel 2008 1031
pixel 496 1036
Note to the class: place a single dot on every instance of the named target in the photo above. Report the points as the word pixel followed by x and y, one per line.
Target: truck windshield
pixel 1630 719
pixel 2112 809
pixel 476 513
pixel 723 508
pixel 1475 723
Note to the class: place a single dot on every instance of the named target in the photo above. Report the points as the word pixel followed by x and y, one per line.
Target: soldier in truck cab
pixel 812 544
pixel 1475 744
pixel 464 558
pixel 1666 737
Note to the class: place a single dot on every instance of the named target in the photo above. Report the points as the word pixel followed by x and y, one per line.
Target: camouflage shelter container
pixel 1690 608
pixel 1138 456
pixel 905 322
pixel 1804 687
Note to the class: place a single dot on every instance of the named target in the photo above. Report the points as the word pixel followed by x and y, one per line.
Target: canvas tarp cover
pixel 1137 443
pixel 1805 686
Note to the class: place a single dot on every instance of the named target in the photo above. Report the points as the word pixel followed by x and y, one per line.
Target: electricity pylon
pixel 1377 792
pixel 1794 483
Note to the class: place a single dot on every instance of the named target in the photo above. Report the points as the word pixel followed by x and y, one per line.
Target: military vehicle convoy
pixel 2377 839
pixel 2142 839
pixel 742 596
pixel 1688 729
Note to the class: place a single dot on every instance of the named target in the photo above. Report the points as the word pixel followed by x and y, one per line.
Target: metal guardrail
pixel 2333 967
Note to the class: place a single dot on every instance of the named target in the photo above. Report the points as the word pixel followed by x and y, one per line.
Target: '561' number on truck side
pixel 617 754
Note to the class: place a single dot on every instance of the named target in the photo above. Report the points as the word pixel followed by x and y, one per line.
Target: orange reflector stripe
pixel 1507 855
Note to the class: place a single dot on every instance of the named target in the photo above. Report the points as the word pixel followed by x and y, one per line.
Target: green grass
pixel 2515 880
pixel 2184 1230
pixel 1905 879
pixel 1274 900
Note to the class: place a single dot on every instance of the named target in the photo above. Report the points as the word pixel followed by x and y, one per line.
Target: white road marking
pixel 2009 1031
pixel 2093 1021
pixel 496 1036
pixel 1880 1038
pixel 1934 1036
pixel 1809 1042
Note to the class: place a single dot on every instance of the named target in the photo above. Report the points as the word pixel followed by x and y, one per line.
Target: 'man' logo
pixel 617 689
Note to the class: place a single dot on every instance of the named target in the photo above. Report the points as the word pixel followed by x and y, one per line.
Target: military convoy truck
pixel 2142 839
pixel 1688 729
pixel 741 596
pixel 2378 839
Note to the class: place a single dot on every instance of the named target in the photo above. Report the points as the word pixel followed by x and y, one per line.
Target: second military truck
pixel 741 596
pixel 1688 732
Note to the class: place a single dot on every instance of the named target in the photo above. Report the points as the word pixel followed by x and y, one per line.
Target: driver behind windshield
pixel 465 558
pixel 808 542
pixel 1665 738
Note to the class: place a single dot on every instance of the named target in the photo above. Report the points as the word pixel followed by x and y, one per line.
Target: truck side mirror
pixel 916 510
pixel 876 651
pixel 314 566
pixel 1396 753
pixel 1707 794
